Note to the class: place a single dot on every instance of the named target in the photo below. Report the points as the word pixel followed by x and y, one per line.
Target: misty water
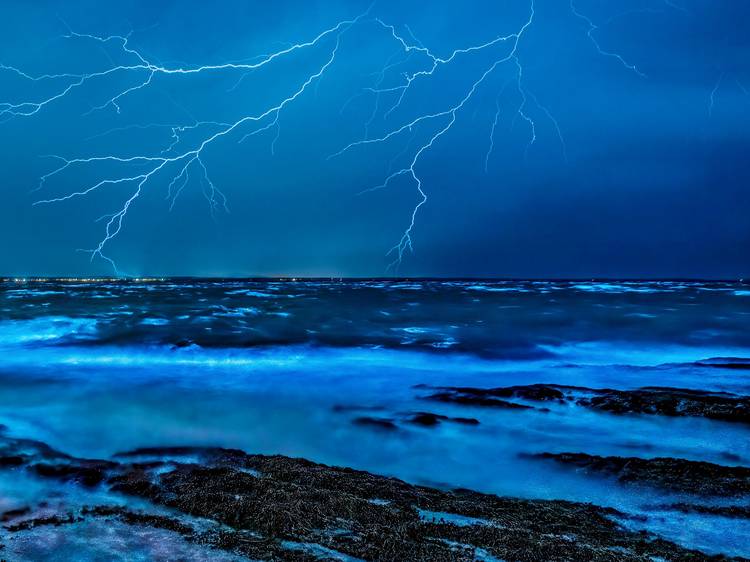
pixel 287 366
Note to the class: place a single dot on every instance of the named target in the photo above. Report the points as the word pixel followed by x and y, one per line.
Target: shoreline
pixel 282 508
pixel 534 402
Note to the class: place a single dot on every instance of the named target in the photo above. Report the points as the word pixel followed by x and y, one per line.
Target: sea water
pixel 287 366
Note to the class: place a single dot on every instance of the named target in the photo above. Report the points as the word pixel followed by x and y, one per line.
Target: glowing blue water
pixel 286 368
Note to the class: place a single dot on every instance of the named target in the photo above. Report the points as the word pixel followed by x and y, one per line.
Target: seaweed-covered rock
pixel 672 402
pixel 652 400
pixel 664 472
pixel 280 500
pixel 280 508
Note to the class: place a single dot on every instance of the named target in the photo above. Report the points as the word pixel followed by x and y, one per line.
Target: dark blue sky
pixel 651 178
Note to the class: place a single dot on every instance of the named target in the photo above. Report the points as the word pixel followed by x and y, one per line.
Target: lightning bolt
pixel 447 118
pixel 492 134
pixel 172 160
pixel 712 95
pixel 182 158
pixel 591 33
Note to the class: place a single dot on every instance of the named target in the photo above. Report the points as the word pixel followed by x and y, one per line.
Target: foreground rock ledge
pixel 280 508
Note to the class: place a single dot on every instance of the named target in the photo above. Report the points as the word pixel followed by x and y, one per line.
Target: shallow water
pixel 285 367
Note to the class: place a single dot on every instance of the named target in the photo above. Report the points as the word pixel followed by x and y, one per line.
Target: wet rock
pixel 279 508
pixel 379 423
pixel 536 392
pixel 730 457
pixel 12 460
pixel 674 402
pixel 471 398
pixel 54 520
pixel 18 451
pixel 465 421
pixel 14 514
pixel 135 482
pixel 428 419
pixel 333 508
pixel 88 474
pixel 732 511
pixel 664 401
pixel 682 475
pixel 134 518
pixel 736 363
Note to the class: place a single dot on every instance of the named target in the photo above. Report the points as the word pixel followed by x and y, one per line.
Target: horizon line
pixel 294 278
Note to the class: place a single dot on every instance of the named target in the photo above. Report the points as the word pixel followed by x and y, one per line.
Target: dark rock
pixel 182 343
pixel 653 400
pixel 731 457
pixel 379 423
pixel 736 363
pixel 146 519
pixel 87 474
pixel 465 398
pixel 14 514
pixel 12 460
pixel 673 402
pixel 466 421
pixel 300 501
pixel 695 477
pixel 255 503
pixel 135 482
pixel 428 419
pixel 28 450
pixel 731 511
pixel 54 520
pixel 538 392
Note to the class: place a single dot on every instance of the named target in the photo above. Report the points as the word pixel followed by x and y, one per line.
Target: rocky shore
pixel 664 401
pixel 699 478
pixel 280 508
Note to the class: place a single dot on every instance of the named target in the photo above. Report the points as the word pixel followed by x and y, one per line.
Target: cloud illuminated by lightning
pixel 181 160
pixel 171 160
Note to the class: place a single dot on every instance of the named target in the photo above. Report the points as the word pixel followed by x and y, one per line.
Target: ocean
pixel 334 370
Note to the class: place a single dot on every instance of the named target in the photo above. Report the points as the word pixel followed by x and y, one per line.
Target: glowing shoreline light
pixel 183 160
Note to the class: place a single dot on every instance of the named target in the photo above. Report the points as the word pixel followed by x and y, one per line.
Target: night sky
pixel 651 177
